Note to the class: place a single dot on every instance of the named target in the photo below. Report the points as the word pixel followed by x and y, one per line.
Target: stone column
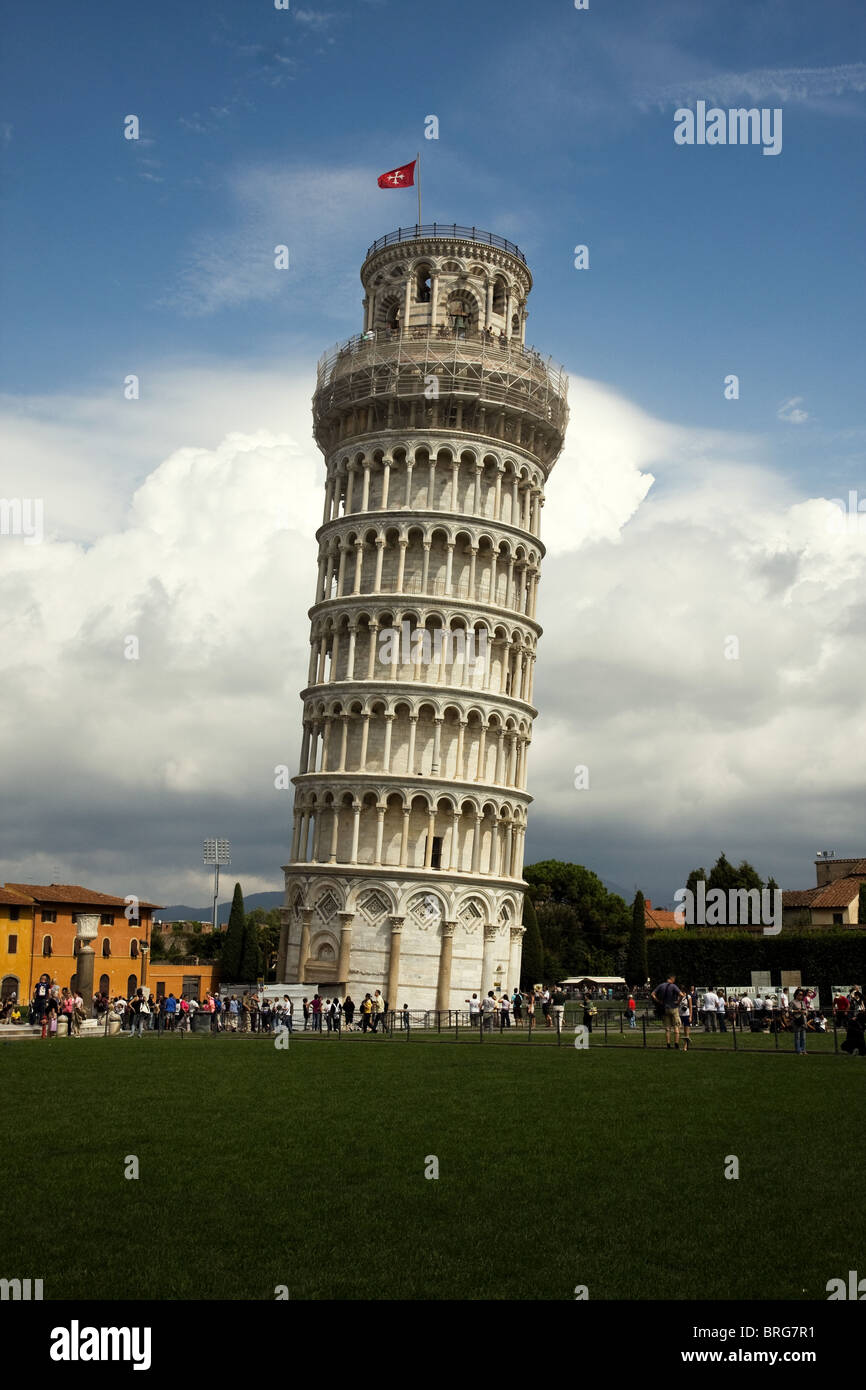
pixel 87 930
pixel 283 950
pixel 488 961
pixel 404 838
pixel 516 958
pixel 434 296
pixel 304 949
pixel 476 843
pixel 386 755
pixel 341 570
pixel 346 920
pixel 335 832
pixel 413 725
pixel 401 565
pixel 454 856
pixel 446 951
pixel 459 773
pixel 394 961
pixel 356 831
pixel 365 491
pixel 431 829
pixel 359 561
pixel 437 745
pixel 380 832
pixel 350 659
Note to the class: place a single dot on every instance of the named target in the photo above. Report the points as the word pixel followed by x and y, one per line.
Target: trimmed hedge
pixel 824 956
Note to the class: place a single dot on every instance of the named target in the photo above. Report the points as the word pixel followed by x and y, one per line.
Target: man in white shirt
pixel 710 1007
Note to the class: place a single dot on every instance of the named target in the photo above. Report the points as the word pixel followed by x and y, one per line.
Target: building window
pixel 133 950
pixel 131 985
pixel 49 916
pixel 499 295
pixel 422 292
pixel 14 914
pixel 106 947
pixel 107 919
pixel 192 986
pixel 13 945
pixel 9 987
pixel 46 945
pixel 104 985
pixel 837 919
pixel 436 856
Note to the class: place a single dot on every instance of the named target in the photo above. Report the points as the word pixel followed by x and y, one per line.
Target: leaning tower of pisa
pixel 439 427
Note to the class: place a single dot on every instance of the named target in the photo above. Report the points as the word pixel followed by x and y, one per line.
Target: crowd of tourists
pixel 683 1010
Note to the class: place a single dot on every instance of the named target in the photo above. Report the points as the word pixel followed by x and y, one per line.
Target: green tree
pixel 233 945
pixel 636 968
pixel 532 966
pixel 601 918
pixel 251 954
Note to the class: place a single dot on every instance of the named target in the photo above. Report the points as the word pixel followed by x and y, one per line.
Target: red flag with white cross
pixel 404 177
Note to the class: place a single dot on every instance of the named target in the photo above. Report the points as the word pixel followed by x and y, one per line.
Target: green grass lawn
pixel 305 1167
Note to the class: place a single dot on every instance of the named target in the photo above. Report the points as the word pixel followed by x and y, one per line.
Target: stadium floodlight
pixel 217 852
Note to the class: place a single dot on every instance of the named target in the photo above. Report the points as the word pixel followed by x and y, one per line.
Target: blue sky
pixel 261 126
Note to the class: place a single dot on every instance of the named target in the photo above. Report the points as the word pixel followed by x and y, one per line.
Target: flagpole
pixel 418 158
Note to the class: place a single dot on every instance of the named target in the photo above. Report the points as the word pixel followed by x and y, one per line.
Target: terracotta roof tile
pixel 8 895
pixel 71 893
pixel 662 919
pixel 800 897
pixel 838 894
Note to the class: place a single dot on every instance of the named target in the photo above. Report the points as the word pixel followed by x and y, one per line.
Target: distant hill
pixel 182 913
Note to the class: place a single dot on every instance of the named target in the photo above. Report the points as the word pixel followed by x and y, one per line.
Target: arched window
pixel 499 295
pixel 131 985
pixel 325 952
pixel 8 987
pixel 133 949
pixel 46 946
pixel 422 284
pixel 104 984
pixel 106 947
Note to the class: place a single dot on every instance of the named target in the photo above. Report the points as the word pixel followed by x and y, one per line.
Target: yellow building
pixel 16 945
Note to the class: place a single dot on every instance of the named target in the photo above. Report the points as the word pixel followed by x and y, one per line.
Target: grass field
pixel 305 1167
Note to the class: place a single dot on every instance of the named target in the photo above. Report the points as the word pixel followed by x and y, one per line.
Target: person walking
pixel 799 1014
pixel 709 1008
pixel 488 1008
pixel 378 1012
pixel 366 1012
pixel 589 1010
pixel 558 1001
pixel 721 1010
pixel 686 1019
pixel 667 995
pixel 305 1006
pixel 631 1011
pixel 288 1012
pixel 349 1011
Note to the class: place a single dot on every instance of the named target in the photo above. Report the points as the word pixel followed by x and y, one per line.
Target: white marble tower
pixel 439 428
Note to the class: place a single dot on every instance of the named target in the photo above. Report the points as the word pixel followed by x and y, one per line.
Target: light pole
pixel 217 852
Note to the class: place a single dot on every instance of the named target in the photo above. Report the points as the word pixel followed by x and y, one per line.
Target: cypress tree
pixel 251 955
pixel 636 969
pixel 233 945
pixel 532 966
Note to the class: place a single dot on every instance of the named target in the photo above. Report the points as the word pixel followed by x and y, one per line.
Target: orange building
pixel 39 935
pixel 56 907
pixel 16 944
